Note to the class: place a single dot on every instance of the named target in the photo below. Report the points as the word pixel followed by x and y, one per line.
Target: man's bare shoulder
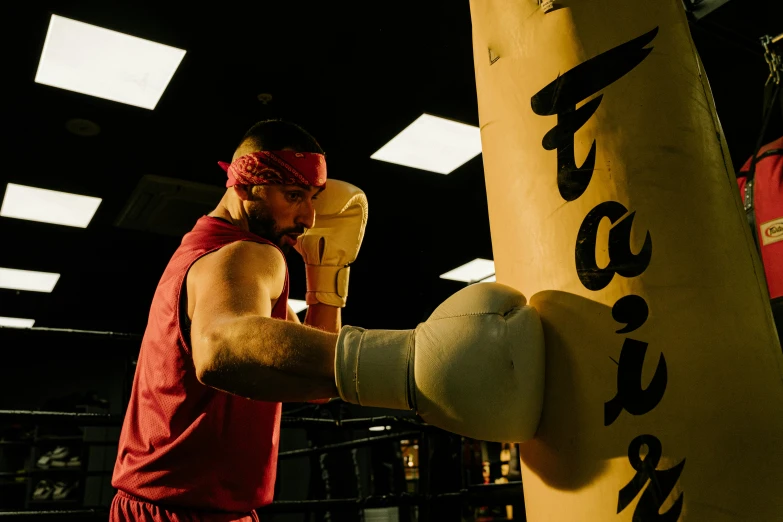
pixel 241 262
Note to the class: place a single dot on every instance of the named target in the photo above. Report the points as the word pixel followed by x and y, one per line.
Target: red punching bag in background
pixel 767 205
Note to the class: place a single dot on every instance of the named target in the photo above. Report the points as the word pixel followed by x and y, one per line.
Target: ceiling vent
pixel 168 206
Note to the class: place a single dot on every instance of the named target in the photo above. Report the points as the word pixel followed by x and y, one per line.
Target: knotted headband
pixel 276 167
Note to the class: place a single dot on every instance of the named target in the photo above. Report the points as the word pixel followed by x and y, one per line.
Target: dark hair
pixel 279 134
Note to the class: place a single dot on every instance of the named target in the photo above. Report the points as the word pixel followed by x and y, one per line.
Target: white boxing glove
pixel 475 367
pixel 333 243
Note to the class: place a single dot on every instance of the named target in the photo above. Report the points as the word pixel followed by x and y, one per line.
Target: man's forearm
pixel 324 317
pixel 270 359
pixel 266 384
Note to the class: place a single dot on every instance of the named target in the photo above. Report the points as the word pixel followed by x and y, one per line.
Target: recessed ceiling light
pixel 476 270
pixel 434 144
pixel 15 322
pixel 27 280
pixel 99 62
pixel 297 305
pixel 48 206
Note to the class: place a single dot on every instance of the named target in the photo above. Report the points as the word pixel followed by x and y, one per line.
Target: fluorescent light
pixel 99 62
pixel 379 428
pixel 48 206
pixel 297 305
pixel 27 280
pixel 476 270
pixel 15 322
pixel 434 144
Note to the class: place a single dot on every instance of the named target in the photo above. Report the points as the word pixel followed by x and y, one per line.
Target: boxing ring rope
pixel 115 335
pixel 105 419
pixel 482 494
pixel 39 472
pixel 82 515
pixel 358 423
pixel 345 445
pixel 61 417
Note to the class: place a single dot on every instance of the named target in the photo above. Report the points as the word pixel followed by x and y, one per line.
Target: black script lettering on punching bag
pixel 630 310
pixel 560 98
pixel 621 260
pixel 662 482
pixel 630 395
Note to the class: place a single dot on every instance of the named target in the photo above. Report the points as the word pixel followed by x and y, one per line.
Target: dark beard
pixel 261 223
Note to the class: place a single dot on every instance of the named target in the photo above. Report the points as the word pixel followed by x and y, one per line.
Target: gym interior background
pixel 355 76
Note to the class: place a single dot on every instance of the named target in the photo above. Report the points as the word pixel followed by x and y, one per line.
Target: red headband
pixel 278 167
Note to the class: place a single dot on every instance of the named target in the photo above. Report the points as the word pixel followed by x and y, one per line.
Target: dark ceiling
pixel 353 74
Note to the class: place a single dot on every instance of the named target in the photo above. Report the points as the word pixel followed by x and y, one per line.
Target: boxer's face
pixel 280 213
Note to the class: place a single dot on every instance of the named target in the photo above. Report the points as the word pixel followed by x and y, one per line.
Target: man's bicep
pixel 238 280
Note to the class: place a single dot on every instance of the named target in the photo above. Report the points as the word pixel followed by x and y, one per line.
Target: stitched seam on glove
pixel 411 376
pixel 356 367
pixel 365 211
pixel 355 200
pixel 473 314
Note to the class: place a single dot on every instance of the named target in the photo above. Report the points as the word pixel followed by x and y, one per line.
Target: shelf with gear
pixel 61 405
pixel 54 477
pixel 42 469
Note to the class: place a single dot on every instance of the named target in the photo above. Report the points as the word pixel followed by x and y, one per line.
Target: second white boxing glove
pixel 333 243
pixel 475 367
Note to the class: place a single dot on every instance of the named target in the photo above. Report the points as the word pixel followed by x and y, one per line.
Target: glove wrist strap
pixel 374 367
pixel 327 284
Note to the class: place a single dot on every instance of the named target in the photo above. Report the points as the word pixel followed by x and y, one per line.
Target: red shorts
pixel 127 508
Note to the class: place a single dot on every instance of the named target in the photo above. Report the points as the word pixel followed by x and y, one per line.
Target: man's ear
pixel 242 191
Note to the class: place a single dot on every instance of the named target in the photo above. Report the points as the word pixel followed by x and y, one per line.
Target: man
pixel 187 448
pixel 200 436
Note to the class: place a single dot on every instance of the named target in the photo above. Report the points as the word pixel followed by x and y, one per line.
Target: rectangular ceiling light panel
pixel 48 206
pixel 15 322
pixel 27 280
pixel 476 270
pixel 297 305
pixel 99 62
pixel 434 144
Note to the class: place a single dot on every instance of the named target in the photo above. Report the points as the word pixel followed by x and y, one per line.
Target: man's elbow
pixel 208 352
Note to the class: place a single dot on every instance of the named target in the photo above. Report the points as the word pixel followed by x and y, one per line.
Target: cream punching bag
pixel 613 206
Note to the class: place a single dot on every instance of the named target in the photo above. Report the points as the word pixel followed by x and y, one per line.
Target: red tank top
pixel 183 443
